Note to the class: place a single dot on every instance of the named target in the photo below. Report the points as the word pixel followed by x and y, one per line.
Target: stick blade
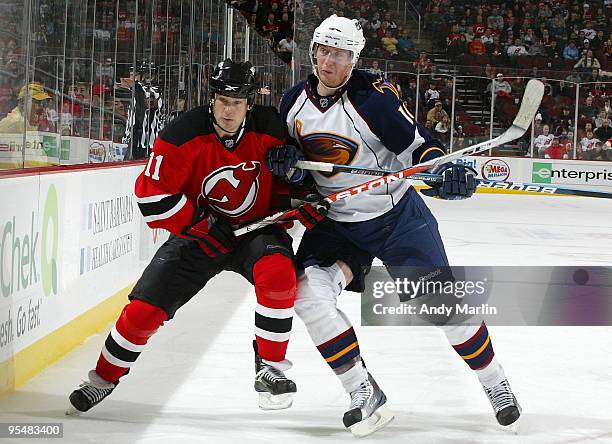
pixel 534 91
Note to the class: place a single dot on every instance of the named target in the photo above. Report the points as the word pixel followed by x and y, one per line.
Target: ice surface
pixel 194 382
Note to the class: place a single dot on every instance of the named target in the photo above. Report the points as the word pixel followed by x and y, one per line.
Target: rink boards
pixel 71 246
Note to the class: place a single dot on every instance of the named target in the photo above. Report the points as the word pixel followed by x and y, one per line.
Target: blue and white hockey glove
pixel 281 161
pixel 457 182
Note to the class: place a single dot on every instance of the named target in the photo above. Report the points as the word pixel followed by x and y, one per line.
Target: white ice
pixel 194 382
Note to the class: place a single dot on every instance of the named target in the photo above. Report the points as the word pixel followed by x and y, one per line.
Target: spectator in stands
pixel 598 152
pixel 600 118
pixel 543 141
pixel 587 143
pixel 588 110
pixel 390 42
pixel 517 86
pixel 406 46
pixel 556 150
pixel 32 107
pixel 442 130
pixel 565 121
pixel 573 77
pixel 607 107
pixel 477 47
pixel 432 95
pixel 487 37
pixel 271 26
pixel 500 86
pixel 436 114
pixel 537 48
pixel 588 30
pixel 553 50
pixel 494 20
pixel 375 68
pixel 434 21
pixel 517 49
pixel 570 52
pixel 497 47
pixel 423 63
pixel 455 43
pixel 286 47
pixel 537 126
pixel 604 132
pixel 586 63
pixel 557 27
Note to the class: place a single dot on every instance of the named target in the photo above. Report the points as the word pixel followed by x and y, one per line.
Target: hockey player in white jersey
pixel 345 116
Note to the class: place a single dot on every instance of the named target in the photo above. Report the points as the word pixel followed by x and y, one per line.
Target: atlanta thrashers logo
pixel 232 189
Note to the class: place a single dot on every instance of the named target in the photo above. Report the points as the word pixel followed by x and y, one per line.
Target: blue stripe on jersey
pixel 288 99
pixel 379 104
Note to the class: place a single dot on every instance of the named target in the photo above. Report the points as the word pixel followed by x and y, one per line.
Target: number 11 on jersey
pixel 158 162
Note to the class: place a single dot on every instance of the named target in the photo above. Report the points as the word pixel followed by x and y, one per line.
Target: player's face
pixel 229 112
pixel 333 65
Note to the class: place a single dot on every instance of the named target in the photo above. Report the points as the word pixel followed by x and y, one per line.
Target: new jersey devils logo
pixel 232 189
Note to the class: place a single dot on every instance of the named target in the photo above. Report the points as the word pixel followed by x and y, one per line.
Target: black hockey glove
pixel 214 234
pixel 457 182
pixel 281 161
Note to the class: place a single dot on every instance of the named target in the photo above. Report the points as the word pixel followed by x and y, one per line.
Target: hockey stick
pixel 437 178
pixel 534 91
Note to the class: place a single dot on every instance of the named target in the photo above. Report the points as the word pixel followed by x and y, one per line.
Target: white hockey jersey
pixel 366 125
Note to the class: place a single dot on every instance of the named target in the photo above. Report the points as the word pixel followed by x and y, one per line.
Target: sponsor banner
pixel 61 237
pixel 512 296
pixel 585 175
pixel 48 149
pixel 573 173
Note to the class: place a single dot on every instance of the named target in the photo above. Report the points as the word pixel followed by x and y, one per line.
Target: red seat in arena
pixel 462 117
pixel 564 101
pixel 524 62
pixel 471 130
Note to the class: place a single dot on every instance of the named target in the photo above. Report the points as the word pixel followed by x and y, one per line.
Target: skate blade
pixel 268 401
pixel 72 411
pixel 379 419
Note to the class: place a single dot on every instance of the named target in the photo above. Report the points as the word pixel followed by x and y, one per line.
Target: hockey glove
pixel 311 208
pixel 281 161
pixel 457 182
pixel 214 234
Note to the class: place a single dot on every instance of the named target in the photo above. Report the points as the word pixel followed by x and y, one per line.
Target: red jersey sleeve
pixel 158 188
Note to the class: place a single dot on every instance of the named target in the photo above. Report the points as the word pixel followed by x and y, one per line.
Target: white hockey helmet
pixel 338 32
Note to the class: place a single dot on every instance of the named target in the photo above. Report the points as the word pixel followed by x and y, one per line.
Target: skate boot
pixel 368 411
pixel 275 390
pixel 507 409
pixel 89 393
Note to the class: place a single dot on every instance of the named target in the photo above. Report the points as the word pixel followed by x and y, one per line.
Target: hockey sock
pixel 138 321
pixel 329 328
pixel 275 288
pixel 474 346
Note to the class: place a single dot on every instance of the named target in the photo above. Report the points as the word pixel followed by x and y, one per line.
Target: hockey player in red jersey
pixel 206 175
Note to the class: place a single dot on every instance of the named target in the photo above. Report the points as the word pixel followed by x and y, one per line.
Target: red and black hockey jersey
pixel 189 168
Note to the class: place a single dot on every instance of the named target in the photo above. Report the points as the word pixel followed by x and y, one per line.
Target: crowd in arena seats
pixel 385 36
pixel 562 42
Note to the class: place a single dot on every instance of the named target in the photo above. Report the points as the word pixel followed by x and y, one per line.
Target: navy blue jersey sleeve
pixel 288 99
pixel 378 102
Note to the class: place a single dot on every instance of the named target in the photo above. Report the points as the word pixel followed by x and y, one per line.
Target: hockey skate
pixel 89 394
pixel 507 409
pixel 368 411
pixel 275 390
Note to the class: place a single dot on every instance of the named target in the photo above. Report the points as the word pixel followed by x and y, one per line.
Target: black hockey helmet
pixel 234 79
